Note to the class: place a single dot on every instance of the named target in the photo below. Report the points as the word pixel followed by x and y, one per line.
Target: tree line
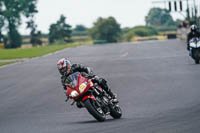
pixel 107 29
pixel 11 13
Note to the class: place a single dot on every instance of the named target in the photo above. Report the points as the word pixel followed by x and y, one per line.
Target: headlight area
pixel 74 93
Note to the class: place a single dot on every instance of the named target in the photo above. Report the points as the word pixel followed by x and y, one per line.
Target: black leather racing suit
pixel 88 74
pixel 191 35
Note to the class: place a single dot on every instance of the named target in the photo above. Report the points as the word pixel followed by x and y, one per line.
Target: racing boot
pixel 104 85
pixel 113 96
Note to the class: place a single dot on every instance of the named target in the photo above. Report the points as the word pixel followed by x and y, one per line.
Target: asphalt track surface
pixel 157 85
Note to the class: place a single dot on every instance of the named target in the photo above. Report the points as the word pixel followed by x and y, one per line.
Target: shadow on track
pixel 95 121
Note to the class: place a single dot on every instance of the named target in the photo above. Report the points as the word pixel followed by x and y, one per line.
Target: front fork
pixel 190 52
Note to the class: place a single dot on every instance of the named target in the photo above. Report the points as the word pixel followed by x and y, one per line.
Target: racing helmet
pixel 193 28
pixel 64 66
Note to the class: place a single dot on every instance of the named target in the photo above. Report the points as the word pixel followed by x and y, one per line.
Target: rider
pixel 193 33
pixel 66 68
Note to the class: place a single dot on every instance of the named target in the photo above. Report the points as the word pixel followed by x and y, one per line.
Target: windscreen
pixel 72 80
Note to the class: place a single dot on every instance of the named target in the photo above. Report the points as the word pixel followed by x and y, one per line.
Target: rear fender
pixel 90 97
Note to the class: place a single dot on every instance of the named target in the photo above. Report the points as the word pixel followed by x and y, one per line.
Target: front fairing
pixel 194 46
pixel 194 43
pixel 77 85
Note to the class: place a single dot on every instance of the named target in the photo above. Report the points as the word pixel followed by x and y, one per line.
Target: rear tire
pixel 95 111
pixel 116 112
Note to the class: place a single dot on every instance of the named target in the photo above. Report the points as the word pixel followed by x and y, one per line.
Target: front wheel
pixel 197 61
pixel 95 110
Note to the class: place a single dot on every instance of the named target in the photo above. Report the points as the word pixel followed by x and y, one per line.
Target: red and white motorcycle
pixel 91 96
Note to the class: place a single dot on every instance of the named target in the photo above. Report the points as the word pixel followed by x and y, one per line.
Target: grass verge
pixel 6 63
pixel 36 51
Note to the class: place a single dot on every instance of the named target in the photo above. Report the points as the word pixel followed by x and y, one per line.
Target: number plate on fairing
pixel 198 44
pixel 82 87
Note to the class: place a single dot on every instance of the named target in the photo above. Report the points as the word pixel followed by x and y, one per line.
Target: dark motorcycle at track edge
pixel 194 49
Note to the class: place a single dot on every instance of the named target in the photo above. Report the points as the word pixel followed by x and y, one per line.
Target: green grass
pixel 6 63
pixel 35 51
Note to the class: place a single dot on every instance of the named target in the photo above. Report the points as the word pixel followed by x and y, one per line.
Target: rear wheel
pixel 116 111
pixel 95 110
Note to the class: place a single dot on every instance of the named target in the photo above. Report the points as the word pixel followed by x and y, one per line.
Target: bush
pixel 106 29
pixel 79 33
pixel 144 31
pixel 165 28
pixel 15 39
pixel 36 38
pixel 60 30
pixel 140 31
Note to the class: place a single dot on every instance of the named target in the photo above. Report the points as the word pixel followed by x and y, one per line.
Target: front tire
pixel 94 110
pixel 197 61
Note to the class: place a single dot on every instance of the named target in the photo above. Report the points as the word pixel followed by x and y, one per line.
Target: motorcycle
pixel 195 49
pixel 85 93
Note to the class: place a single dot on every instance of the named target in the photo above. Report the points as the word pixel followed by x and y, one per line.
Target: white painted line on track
pixel 124 55
pixel 57 52
pixel 9 65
